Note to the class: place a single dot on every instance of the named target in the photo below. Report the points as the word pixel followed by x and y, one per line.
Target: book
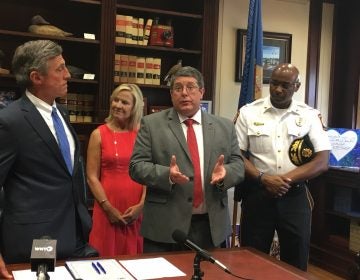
pixel 140 70
pixel 120 32
pixel 106 269
pixel 134 30
pixel 141 31
pixel 147 31
pixel 71 106
pixel 149 67
pixel 124 68
pixel 117 68
pixel 156 71
pixel 132 69
pixel 128 30
pixel 88 110
pixel 79 108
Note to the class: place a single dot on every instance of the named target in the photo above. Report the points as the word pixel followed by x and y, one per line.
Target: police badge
pixel 301 151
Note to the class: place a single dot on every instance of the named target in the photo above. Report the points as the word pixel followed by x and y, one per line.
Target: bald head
pixel 285 71
pixel 283 84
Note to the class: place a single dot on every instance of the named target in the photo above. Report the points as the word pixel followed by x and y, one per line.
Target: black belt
pixel 297 187
pixel 299 184
pixel 197 217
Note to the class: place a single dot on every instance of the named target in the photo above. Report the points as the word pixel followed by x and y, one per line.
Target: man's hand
pixel 4 273
pixel 175 175
pixel 219 171
pixel 276 185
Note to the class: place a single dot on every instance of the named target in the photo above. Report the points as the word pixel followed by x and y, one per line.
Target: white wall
pixel 284 16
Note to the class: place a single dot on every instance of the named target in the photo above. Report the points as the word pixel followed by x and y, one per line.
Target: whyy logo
pixel 44 249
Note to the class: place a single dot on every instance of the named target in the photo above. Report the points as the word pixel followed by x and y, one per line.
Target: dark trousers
pixel 289 215
pixel 199 234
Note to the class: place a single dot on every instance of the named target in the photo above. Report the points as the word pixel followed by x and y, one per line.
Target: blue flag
pixel 252 73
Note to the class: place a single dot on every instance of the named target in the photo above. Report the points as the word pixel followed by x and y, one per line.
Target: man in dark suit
pixel 163 161
pixel 43 192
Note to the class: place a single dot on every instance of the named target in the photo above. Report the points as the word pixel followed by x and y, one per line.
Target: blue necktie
pixel 62 139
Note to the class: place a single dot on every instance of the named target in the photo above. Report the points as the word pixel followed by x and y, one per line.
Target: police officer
pixel 277 168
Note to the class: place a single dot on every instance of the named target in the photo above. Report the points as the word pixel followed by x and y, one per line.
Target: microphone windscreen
pixel 179 236
pixel 43 252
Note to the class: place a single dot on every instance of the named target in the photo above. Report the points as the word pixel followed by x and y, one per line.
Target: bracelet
pixel 102 202
pixel 258 179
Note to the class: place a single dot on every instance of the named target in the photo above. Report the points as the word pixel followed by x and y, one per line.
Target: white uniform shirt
pixel 266 133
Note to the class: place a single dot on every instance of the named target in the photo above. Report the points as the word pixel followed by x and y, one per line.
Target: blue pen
pixel 95 267
pixel 101 267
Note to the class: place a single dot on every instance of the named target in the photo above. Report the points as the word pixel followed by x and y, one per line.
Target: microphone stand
pixel 197 270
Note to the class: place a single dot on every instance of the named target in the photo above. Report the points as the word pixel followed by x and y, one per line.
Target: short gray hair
pixel 188 71
pixel 33 55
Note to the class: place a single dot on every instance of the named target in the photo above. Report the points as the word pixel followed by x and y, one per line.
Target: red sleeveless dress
pixel 121 191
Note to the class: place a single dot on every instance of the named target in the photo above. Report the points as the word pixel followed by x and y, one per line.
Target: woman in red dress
pixel 119 202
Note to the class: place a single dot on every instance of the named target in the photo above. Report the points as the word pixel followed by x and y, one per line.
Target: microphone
pixel 43 257
pixel 180 237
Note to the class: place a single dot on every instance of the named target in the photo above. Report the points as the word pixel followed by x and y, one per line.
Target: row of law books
pixel 137 69
pixel 80 107
pixel 131 30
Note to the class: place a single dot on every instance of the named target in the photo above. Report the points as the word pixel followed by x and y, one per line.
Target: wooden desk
pixel 244 262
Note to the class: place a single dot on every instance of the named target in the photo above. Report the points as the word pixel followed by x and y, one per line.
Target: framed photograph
pixel 206 105
pixel 276 49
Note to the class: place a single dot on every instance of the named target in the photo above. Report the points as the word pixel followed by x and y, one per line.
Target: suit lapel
pixel 208 137
pixel 34 118
pixel 175 127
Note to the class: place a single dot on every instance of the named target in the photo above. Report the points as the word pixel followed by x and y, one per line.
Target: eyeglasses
pixel 284 85
pixel 188 88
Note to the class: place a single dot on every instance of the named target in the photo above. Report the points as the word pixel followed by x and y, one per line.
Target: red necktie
pixel 194 153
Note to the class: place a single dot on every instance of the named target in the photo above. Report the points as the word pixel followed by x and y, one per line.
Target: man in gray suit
pixel 162 160
pixel 43 192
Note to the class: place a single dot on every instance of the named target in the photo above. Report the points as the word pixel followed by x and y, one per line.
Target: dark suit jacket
pixel 169 207
pixel 41 197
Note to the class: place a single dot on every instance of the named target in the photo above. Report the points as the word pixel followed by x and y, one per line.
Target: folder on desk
pixel 104 269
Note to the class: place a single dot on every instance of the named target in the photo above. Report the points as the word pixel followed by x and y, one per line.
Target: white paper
pixel 90 36
pixel 152 268
pixel 60 273
pixel 84 270
pixel 88 76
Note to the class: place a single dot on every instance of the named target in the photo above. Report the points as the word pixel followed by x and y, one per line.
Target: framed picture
pixel 206 105
pixel 276 49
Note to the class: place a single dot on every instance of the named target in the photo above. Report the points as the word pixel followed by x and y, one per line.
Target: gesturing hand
pixel 219 171
pixel 175 175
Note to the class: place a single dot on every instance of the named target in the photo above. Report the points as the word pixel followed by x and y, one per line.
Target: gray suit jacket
pixel 169 207
pixel 41 196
